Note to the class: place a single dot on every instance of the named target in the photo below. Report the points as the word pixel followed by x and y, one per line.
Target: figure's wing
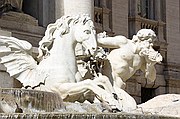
pixel 16 56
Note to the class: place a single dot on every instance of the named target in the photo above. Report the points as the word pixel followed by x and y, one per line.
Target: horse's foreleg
pixel 66 90
pixel 105 82
pixel 69 89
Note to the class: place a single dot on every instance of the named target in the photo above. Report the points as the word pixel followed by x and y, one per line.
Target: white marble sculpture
pixel 55 69
pixel 125 59
pixel 129 56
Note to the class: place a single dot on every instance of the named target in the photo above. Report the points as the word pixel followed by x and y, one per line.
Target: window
pixel 42 10
pixel 146 8
pixel 103 15
pixel 97 3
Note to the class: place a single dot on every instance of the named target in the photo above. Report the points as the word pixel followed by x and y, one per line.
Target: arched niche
pixel 42 10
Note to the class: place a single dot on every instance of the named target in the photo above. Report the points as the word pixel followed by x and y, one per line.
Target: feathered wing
pixel 16 56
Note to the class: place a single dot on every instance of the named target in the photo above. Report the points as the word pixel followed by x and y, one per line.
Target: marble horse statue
pixel 55 69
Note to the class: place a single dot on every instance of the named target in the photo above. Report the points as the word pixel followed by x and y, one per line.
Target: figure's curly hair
pixel 63 25
pixel 144 34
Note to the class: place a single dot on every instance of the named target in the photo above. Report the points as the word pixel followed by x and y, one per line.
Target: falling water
pixel 31 100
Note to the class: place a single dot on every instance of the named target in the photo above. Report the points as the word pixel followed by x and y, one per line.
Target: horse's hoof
pixel 116 110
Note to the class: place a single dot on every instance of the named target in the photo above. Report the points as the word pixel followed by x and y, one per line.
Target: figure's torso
pixel 124 62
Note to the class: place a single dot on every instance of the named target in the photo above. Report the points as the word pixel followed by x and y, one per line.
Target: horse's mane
pixel 63 25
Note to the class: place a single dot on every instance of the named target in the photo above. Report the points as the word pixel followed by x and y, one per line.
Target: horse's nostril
pixel 115 96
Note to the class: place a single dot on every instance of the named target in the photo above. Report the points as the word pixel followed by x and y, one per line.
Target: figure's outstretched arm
pixel 112 42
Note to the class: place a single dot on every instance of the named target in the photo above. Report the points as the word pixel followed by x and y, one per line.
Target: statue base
pixel 83 116
pixel 19 17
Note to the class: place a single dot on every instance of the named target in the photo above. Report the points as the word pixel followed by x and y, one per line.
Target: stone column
pixel 73 7
pixel 134 5
pixel 106 22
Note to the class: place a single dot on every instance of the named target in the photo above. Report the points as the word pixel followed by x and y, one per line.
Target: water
pixel 30 100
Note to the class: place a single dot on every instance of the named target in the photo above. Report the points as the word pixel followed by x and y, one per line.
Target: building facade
pixel 27 20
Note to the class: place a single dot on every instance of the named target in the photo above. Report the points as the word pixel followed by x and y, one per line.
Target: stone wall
pixel 120 17
pixel 173 30
pixel 172 71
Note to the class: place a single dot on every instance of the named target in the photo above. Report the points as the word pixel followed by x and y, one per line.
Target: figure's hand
pixel 102 35
pixel 154 56
pixel 151 55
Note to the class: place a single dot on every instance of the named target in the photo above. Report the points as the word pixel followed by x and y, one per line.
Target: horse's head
pixel 85 34
pixel 79 29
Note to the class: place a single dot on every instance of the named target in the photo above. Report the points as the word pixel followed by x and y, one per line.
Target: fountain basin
pixel 29 101
pixel 83 116
pixel 47 105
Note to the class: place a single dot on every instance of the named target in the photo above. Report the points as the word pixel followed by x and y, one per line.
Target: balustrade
pixel 102 19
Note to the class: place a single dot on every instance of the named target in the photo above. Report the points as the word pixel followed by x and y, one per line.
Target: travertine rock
pixel 167 105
